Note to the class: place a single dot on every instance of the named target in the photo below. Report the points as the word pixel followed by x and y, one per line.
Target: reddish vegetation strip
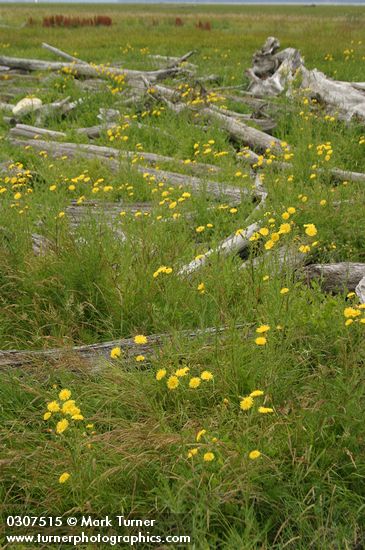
pixel 62 21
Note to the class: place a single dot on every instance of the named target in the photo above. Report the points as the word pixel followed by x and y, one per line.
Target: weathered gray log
pixel 242 132
pixel 25 130
pixel 360 290
pixel 84 69
pixel 40 244
pixel 273 72
pixel 112 158
pixel 98 354
pixel 339 276
pixel 233 244
pixel 67 148
pixel 281 258
pixel 265 124
pixel 6 107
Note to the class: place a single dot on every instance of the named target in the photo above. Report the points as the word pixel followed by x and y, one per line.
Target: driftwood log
pixel 97 354
pixel 33 132
pixel 274 72
pixel 85 69
pixel 336 277
pixel 114 161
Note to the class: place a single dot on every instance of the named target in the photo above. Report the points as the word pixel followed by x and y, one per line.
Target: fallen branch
pixel 234 244
pixel 60 53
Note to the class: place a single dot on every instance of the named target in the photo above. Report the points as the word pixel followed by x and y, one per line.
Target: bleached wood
pixel 98 355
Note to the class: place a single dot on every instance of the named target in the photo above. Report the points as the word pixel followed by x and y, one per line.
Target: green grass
pixel 306 490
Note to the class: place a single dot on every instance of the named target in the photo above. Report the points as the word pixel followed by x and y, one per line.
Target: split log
pixel 273 72
pixel 97 354
pixel 336 277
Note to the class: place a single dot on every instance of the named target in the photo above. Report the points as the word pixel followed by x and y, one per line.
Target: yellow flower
pixel 192 452
pixel 348 322
pixel 351 312
pixel 161 373
pixel 64 477
pixel 53 406
pixel 265 410
pixel 77 417
pixel 246 403
pixel 269 244
pixel 70 408
pixel 265 277
pixel 262 328
pixel 291 210
pixel 310 229
pixel 304 249
pixel 64 395
pixel 182 372
pixel 115 353
pixel 285 228
pixel 172 382
pixel 47 415
pixel 256 393
pixel 140 358
pixel 194 382
pixel 201 288
pixel 254 454
pixel 208 457
pixel 140 339
pixel 285 215
pixel 284 290
pixel 61 426
pixel 264 231
pixel 260 341
pixel 200 229
pixel 200 434
pixel 206 375
pixel 323 202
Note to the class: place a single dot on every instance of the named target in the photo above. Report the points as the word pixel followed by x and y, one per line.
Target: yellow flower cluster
pixel 352 314
pixel 271 232
pixel 66 407
pixel 208 455
pixel 174 380
pixel 162 269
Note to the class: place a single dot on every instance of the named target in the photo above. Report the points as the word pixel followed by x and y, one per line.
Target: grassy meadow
pixel 169 436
